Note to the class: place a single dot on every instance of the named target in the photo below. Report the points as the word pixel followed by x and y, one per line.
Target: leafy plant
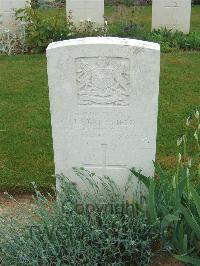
pixel 196 2
pixel 12 43
pixel 173 202
pixel 35 3
pixel 124 22
pixel 188 259
pixel 91 228
pixel 191 215
pixel 40 31
pixel 125 2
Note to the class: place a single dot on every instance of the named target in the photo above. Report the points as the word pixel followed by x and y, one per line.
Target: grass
pixel 25 136
pixel 25 131
pixel 26 152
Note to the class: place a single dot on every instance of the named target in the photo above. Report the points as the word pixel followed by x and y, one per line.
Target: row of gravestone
pixel 172 14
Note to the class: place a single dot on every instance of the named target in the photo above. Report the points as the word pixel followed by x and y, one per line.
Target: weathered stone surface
pixel 86 9
pixel 7 13
pixel 171 14
pixel 104 104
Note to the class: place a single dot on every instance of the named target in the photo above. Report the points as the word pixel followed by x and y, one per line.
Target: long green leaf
pixel 151 202
pixel 185 243
pixel 191 220
pixel 196 198
pixel 168 219
pixel 144 179
pixel 182 185
pixel 188 259
pixel 161 173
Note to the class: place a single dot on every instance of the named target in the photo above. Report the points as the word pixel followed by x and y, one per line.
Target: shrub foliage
pixel 96 228
pixel 42 30
pixel 174 202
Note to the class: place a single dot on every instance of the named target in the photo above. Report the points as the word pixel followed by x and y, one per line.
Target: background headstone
pixel 104 104
pixel 171 14
pixel 86 9
pixel 7 13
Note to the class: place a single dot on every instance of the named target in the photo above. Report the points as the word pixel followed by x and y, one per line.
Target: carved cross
pixel 103 165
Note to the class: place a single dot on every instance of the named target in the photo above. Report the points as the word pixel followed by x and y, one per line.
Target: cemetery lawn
pixel 26 152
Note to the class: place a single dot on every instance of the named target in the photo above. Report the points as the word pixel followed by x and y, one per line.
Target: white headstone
pixel 104 105
pixel 86 9
pixel 7 13
pixel 171 14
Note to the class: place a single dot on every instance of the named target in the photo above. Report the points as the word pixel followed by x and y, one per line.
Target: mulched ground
pixel 7 205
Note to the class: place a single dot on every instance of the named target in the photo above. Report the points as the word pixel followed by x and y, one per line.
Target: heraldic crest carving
pixel 103 81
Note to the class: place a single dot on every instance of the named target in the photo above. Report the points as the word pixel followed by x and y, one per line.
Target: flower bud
pixel 188 121
pixel 179 141
pixel 196 135
pixel 196 114
pixel 189 163
pixel 188 172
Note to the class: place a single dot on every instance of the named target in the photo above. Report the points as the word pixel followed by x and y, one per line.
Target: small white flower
pixel 196 114
pixel 106 22
pixel 179 141
pixel 196 135
pixel 188 121
pixel 179 157
pixel 188 172
pixel 174 181
pixel 89 20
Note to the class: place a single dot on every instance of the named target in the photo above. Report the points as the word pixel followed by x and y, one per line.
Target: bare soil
pixel 165 259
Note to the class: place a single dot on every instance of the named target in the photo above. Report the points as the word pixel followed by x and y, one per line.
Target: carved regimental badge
pixel 103 81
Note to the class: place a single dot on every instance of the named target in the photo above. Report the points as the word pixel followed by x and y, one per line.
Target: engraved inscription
pixel 171 4
pixel 103 81
pixel 103 120
pixel 97 125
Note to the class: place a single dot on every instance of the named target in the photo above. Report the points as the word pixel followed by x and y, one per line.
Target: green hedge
pixel 196 2
pixel 127 2
pixel 132 2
